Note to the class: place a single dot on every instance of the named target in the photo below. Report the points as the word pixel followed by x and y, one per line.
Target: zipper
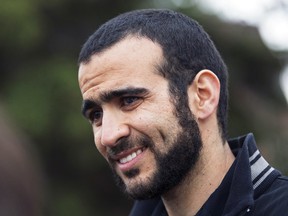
pixel 247 211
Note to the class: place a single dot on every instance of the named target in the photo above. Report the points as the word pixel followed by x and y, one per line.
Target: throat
pixel 189 196
pixel 179 200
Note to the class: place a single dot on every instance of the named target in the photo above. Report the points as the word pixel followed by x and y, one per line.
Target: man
pixel 155 91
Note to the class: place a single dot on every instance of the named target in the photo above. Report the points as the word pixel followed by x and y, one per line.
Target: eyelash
pixel 91 116
pixel 124 100
pixel 124 103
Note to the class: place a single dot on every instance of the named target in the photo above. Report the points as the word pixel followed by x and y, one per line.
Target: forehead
pixel 133 60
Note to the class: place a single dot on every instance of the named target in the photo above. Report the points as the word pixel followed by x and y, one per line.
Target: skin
pixel 125 96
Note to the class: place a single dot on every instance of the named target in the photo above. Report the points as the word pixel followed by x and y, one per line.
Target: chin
pixel 136 185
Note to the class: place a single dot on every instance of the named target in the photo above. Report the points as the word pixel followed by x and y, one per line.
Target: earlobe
pixel 204 94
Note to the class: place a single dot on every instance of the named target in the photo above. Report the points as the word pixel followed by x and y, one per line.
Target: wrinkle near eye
pixel 126 101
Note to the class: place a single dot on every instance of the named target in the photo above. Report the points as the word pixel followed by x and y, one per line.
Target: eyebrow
pixel 106 97
pixel 110 95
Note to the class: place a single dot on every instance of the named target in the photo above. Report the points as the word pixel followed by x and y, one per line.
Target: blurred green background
pixel 40 101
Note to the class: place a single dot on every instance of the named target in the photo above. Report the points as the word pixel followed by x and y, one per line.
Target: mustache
pixel 127 143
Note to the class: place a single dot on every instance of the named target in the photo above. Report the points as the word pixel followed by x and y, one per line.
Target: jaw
pixel 139 170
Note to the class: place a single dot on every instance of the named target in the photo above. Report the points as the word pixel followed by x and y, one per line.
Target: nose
pixel 113 128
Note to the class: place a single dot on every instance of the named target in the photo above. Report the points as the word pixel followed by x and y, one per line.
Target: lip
pixel 124 167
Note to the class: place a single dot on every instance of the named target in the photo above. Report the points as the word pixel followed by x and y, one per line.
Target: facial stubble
pixel 171 167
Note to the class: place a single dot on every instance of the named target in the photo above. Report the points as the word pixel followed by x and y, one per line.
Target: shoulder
pixel 274 200
pixel 279 189
pixel 280 182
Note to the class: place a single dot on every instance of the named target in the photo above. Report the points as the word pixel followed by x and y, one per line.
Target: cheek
pixel 160 127
pixel 97 140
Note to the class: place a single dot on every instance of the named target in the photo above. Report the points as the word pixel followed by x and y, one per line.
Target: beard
pixel 171 167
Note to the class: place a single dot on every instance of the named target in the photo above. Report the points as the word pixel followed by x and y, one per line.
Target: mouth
pixel 127 160
pixel 130 157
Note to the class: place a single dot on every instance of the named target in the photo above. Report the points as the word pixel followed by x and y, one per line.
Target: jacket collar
pixel 247 178
pixel 252 175
pixel 261 173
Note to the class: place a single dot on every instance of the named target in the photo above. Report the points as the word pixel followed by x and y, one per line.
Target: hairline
pixel 135 35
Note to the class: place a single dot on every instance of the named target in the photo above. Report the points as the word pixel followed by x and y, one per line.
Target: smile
pixel 130 156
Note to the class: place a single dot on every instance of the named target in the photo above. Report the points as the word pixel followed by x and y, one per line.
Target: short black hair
pixel 187 49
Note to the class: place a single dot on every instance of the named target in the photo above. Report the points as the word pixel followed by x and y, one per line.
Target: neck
pixel 189 196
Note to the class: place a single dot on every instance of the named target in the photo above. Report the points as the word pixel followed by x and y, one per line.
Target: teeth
pixel 130 157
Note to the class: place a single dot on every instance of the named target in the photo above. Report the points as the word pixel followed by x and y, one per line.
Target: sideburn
pixel 179 98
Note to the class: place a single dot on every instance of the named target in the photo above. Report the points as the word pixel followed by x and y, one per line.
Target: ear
pixel 204 94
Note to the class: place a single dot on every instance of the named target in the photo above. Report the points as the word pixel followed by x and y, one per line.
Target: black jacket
pixel 251 187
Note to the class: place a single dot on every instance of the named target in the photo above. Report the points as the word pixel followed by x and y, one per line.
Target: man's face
pixel 134 122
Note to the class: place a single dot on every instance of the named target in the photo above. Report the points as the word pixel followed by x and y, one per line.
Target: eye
pixel 95 116
pixel 128 101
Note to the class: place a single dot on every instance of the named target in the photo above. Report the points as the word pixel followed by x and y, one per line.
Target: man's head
pixel 187 49
pixel 143 76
